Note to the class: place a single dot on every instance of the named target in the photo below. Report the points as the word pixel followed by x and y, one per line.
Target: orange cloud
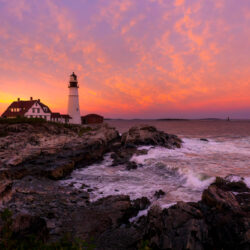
pixel 132 57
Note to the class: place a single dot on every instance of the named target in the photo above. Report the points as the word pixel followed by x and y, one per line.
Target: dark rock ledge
pixel 54 151
pixel 33 157
pixel 221 220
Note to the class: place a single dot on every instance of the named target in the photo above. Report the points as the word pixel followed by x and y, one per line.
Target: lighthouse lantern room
pixel 73 100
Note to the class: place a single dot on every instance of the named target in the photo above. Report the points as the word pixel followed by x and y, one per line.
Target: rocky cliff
pixel 34 157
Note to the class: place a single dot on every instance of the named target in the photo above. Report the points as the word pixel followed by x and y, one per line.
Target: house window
pixel 31 116
pixel 33 110
pixel 38 110
pixel 45 117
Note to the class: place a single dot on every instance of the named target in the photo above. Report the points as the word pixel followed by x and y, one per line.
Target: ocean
pixel 182 174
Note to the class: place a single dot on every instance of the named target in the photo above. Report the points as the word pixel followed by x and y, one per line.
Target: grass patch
pixel 84 130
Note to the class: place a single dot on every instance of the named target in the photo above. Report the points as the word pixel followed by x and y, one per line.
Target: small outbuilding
pixel 92 119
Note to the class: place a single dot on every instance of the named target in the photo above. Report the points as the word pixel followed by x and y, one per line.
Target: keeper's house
pixel 33 109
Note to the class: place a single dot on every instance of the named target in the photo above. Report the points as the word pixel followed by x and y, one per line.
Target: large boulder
pixel 21 229
pixel 149 135
pixel 226 209
pixel 179 227
pixel 106 214
pixel 221 220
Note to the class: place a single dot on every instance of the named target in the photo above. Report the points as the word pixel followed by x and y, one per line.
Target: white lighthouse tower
pixel 73 101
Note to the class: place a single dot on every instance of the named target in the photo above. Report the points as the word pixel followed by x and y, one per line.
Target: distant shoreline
pixel 174 119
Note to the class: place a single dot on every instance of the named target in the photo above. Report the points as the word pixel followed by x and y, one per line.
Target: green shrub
pixel 144 245
pixel 84 130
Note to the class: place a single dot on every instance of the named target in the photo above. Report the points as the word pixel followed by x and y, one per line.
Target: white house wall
pixel 35 114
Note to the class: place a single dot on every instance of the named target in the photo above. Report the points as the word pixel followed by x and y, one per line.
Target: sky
pixel 133 58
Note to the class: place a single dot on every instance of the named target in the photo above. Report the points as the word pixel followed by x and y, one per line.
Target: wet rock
pixel 149 135
pixel 227 214
pixel 220 220
pixel 131 165
pixel 141 152
pixel 220 199
pixel 220 194
pixel 84 186
pixel 228 184
pixel 141 203
pixel 204 139
pixel 158 194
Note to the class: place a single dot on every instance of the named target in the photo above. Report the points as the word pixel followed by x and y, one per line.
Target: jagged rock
pixel 159 193
pixel 141 203
pixel 204 139
pixel 103 215
pixel 221 220
pixel 5 190
pixel 47 152
pixel 21 227
pixel 60 170
pixel 52 150
pixel 25 225
pixel 131 165
pixel 216 197
pixel 149 135
pixel 141 135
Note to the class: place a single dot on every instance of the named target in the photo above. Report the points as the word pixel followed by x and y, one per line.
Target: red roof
pixel 45 108
pixel 23 107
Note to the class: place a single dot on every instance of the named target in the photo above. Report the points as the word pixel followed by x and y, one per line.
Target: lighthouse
pixel 73 101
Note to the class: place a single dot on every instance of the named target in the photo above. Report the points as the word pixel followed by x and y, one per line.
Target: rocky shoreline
pixel 33 157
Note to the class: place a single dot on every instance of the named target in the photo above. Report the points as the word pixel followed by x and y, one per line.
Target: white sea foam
pixel 181 173
pixel 247 181
pixel 140 214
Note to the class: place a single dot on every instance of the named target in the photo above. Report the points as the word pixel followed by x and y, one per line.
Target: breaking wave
pixel 182 174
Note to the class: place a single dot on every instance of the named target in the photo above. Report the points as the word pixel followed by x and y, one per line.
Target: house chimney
pixel 31 98
pixel 18 99
pixel 38 100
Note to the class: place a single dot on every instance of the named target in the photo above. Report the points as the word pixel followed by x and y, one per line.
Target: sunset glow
pixel 133 58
